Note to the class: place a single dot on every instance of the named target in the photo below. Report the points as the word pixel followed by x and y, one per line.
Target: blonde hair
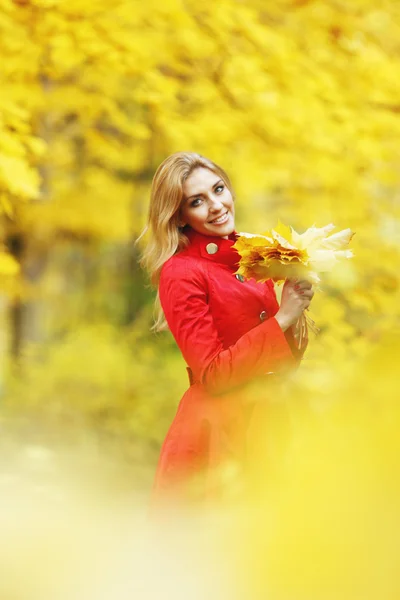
pixel 166 236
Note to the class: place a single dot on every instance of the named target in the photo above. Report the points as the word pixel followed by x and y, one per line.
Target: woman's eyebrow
pixel 200 193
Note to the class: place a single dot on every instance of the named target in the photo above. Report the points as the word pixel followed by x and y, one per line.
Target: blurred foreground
pixel 323 521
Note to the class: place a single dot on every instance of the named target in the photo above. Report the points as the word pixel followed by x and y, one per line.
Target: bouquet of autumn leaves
pixel 282 254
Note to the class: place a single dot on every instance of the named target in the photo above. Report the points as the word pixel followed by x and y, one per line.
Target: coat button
pixel 263 315
pixel 239 277
pixel 211 248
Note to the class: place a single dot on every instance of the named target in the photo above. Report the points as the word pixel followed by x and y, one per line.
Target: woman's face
pixel 207 204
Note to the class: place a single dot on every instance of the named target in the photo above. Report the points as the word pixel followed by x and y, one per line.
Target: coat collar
pixel 224 254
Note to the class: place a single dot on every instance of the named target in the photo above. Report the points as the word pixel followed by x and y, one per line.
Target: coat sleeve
pixel 183 295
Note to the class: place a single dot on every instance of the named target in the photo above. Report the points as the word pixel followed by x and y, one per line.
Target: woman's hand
pixel 296 297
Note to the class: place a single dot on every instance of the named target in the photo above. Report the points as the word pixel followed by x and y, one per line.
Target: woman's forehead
pixel 199 181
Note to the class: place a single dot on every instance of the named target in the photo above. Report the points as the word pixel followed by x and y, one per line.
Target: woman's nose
pixel 215 203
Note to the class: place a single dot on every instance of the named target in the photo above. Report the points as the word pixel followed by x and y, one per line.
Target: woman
pixel 231 332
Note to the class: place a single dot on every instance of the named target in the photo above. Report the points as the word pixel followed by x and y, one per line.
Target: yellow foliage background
pixel 299 100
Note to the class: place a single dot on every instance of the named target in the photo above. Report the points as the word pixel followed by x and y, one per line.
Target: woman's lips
pixel 221 220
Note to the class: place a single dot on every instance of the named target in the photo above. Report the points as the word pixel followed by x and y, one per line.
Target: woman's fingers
pixel 303 284
pixel 308 293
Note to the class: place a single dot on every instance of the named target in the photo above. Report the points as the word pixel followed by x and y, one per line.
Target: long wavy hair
pixel 166 236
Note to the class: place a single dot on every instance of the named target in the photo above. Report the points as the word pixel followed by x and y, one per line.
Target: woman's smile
pixel 220 220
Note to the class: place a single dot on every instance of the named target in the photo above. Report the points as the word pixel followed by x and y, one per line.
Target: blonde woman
pixel 231 332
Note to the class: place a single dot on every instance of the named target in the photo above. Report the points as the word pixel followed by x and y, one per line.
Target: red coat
pixel 228 336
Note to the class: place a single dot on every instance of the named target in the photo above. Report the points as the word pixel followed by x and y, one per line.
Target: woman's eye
pixel 197 201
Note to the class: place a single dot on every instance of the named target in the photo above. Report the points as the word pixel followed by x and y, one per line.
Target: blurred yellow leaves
pixel 324 522
pixel 308 110
pixel 8 265
pixel 20 179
